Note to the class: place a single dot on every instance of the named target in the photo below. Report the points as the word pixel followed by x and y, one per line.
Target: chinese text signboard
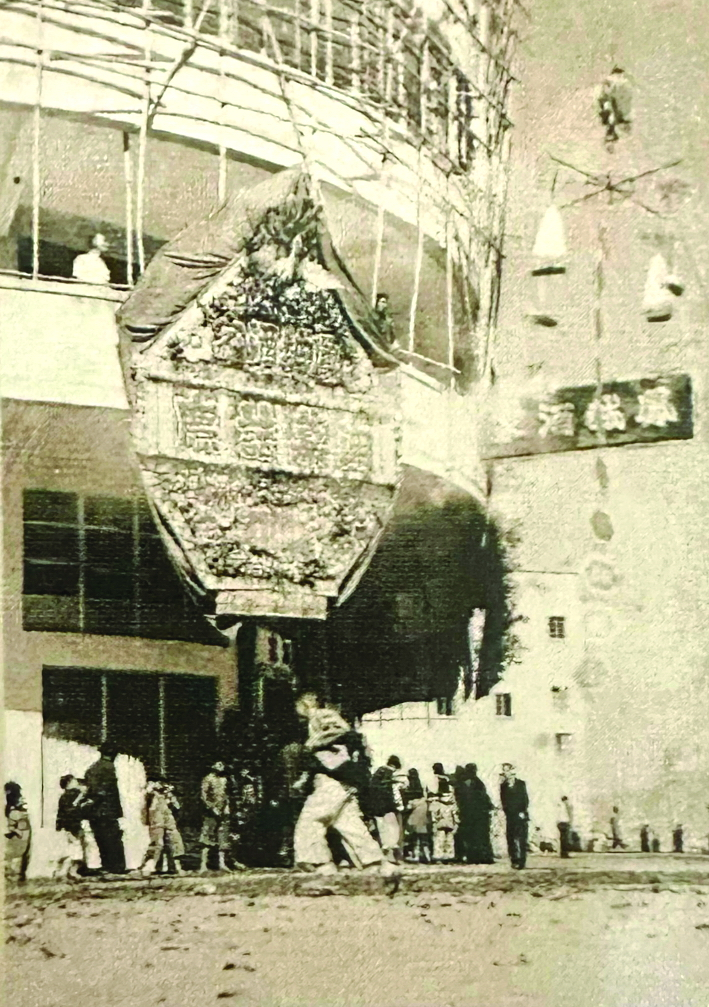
pixel 621 412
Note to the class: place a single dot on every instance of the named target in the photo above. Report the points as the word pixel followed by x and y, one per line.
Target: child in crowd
pixel 444 818
pixel 18 833
pixel 419 830
pixel 72 812
pixel 160 805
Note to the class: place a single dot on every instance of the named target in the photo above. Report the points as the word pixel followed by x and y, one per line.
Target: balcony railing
pixel 378 50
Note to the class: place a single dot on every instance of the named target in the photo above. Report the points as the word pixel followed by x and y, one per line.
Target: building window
pixel 168 722
pixel 444 706
pixel 503 704
pixel 560 698
pixel 557 627
pixel 563 742
pixel 96 564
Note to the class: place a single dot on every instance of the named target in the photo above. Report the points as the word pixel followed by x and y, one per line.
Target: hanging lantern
pixel 658 298
pixel 550 244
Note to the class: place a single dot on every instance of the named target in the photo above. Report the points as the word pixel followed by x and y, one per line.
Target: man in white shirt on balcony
pixel 90 267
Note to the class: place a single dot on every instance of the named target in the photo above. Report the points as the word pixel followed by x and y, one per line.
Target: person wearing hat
pixel 338 771
pixel 105 810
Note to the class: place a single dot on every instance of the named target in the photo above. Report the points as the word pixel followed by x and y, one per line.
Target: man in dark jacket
pixel 106 811
pixel 515 804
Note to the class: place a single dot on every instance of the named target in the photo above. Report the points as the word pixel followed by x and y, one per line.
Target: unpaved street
pixel 599 942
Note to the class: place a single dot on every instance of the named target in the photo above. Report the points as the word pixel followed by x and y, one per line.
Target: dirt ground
pixel 548 937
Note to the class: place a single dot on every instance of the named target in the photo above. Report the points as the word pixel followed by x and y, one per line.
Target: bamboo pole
pixel 329 61
pixel 423 87
pixel 355 54
pixel 222 176
pixel 419 258
pixel 298 34
pixel 36 138
pixel 450 321
pixel 128 182
pixel 314 23
pixel 142 148
pixel 380 213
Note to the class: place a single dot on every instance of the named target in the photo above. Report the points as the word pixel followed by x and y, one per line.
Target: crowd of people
pixel 332 811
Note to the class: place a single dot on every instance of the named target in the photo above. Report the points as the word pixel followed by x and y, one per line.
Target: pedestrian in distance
pixel 564 823
pixel 215 834
pixel 678 839
pixel 18 833
pixel 72 819
pixel 105 811
pixel 645 838
pixel 515 804
pixel 161 805
pixel 616 831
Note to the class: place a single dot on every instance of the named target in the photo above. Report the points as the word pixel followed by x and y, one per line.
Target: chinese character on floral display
pixel 605 414
pixel 556 419
pixel 656 409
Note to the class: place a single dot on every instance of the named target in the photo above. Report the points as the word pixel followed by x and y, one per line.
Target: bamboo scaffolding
pixel 329 69
pixel 343 37
pixel 419 259
pixel 36 140
pixel 314 24
pixel 147 61
pixel 450 320
pixel 222 174
pixel 128 183
pixel 142 150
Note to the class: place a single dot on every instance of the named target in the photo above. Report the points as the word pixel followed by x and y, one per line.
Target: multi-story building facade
pixel 607 500
pixel 135 120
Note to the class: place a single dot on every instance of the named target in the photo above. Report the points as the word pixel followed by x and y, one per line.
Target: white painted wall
pixel 38 763
pixel 58 344
pixel 475 733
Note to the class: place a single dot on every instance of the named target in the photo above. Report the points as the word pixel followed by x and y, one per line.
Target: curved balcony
pixel 369 88
pixel 136 118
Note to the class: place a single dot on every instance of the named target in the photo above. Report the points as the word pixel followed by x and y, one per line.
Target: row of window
pixel 96 564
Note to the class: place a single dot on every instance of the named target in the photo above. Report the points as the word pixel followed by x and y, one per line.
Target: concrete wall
pixel 528 738
pixel 644 673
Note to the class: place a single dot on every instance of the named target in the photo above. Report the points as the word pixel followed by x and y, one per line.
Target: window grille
pixel 557 627
pixel 503 704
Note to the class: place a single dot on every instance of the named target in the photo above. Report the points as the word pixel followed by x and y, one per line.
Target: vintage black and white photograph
pixel 355 554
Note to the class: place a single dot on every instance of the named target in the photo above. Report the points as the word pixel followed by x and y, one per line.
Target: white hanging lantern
pixel 550 243
pixel 658 298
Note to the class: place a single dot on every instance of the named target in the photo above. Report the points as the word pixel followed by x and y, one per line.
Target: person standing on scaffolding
pixel 338 771
pixel 90 266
